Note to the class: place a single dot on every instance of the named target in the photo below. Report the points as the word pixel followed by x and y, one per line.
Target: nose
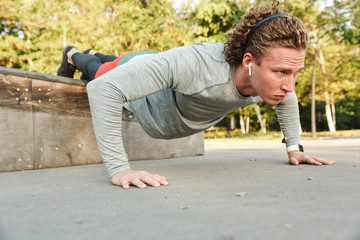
pixel 288 84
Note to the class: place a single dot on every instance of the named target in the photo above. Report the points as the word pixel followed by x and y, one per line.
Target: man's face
pixel 275 77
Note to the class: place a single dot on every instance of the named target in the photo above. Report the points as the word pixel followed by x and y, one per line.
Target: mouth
pixel 279 97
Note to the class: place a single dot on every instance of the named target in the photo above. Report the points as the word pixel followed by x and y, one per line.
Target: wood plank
pixel 45 121
pixel 60 99
pixel 39 76
pixel 16 128
pixel 63 131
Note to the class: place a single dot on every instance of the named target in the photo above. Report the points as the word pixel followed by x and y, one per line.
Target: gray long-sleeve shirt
pixel 172 94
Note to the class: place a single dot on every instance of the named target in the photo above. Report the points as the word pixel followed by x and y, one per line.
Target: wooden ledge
pixel 45 121
pixel 40 76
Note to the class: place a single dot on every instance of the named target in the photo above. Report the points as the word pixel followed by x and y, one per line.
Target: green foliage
pixel 213 20
pixel 33 34
pixel 346 17
pixel 348 114
pixel 341 65
pixel 112 27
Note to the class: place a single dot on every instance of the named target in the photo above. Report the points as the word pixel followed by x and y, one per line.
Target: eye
pixel 282 72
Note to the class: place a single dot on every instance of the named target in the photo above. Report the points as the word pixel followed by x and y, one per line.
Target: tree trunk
pixel 258 114
pixel 242 123
pixel 247 124
pixel 313 117
pixel 333 108
pixel 28 41
pixel 329 118
pixel 64 37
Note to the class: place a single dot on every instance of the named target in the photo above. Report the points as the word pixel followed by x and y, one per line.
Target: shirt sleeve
pixel 107 95
pixel 288 115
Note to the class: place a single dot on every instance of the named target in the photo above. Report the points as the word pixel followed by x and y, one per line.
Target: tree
pixel 35 31
pixel 213 20
pixel 261 120
pixel 313 107
pixel 336 56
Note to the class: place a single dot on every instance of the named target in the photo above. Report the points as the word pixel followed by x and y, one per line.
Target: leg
pixel 107 59
pixel 66 69
pixel 104 58
pixel 91 66
pixel 87 64
pixel 109 62
pixel 72 59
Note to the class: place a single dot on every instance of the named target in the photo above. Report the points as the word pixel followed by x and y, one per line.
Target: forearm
pixel 107 95
pixel 288 115
pixel 106 104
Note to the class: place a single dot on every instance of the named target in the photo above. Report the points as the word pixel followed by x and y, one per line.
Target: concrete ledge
pixel 45 122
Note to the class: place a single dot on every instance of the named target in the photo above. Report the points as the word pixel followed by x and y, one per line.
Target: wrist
pixel 296 147
pixel 293 148
pixel 292 152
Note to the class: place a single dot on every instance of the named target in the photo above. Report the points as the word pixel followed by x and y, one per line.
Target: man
pixel 188 89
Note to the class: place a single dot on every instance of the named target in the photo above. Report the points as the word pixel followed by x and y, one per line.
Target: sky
pixel 177 3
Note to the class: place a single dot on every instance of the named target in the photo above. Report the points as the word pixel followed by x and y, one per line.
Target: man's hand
pixel 139 179
pixel 296 157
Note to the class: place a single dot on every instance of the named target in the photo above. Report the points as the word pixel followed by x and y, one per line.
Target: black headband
pixel 261 22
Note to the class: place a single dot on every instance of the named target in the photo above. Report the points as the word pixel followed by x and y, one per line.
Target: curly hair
pixel 283 31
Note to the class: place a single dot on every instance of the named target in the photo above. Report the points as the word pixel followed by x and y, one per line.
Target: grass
pixel 327 134
pixel 274 135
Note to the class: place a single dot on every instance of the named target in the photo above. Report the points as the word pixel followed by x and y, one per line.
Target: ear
pixel 248 57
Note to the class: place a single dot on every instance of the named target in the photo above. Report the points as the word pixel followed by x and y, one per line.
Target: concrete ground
pixel 280 201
